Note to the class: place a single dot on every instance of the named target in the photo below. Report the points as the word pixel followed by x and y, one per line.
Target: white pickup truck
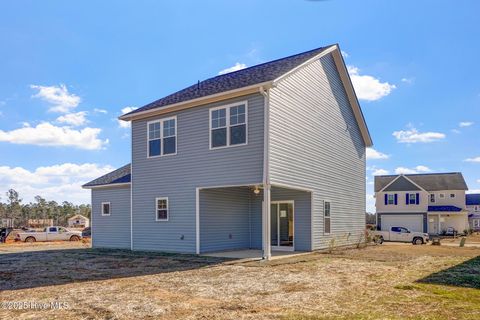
pixel 400 234
pixel 53 233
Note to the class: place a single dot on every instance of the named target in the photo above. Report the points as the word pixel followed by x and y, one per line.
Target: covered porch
pixel 440 218
pixel 251 221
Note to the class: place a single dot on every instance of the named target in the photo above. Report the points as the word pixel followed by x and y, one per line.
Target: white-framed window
pixel 106 209
pixel 441 195
pixel 161 212
pixel 391 199
pixel 162 137
pixel 432 197
pixel 412 198
pixel 452 195
pixel 229 125
pixel 326 217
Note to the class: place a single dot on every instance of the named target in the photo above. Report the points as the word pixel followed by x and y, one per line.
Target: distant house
pixel 39 223
pixel 473 206
pixel 6 223
pixel 270 157
pixel 422 202
pixel 78 221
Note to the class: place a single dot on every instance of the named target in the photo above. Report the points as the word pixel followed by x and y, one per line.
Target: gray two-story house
pixel 270 157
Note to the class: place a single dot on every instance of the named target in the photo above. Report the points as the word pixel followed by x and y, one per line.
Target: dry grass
pixel 388 282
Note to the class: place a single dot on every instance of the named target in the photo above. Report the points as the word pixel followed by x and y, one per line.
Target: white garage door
pixel 413 222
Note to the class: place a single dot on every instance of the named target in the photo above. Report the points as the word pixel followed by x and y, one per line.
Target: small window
pixel 412 198
pixel 162 209
pixel 452 195
pixel 228 125
pixel 105 208
pixel 441 195
pixel 53 229
pixel 391 199
pixel 62 230
pixel 404 230
pixel 162 137
pixel 326 218
pixel 396 229
pixel 432 198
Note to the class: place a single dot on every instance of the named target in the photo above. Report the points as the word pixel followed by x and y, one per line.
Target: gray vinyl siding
pixel 224 219
pixel 111 231
pixel 194 165
pixel 315 142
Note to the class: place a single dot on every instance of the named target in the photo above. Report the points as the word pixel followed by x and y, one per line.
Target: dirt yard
pixel 390 281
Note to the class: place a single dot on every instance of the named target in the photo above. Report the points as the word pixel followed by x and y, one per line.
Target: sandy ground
pixel 392 281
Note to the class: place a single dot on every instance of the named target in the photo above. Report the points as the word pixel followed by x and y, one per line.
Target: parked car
pixel 87 232
pixel 400 234
pixel 451 232
pixel 53 233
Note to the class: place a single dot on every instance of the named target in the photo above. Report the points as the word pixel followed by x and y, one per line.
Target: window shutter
pixel 396 199
pixel 418 198
pixel 407 199
pixel 386 199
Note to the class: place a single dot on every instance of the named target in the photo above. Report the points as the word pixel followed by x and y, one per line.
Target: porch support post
pixel 439 225
pixel 266 222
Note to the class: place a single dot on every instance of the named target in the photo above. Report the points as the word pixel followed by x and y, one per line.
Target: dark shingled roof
pixel 444 208
pixel 428 181
pixel 121 175
pixel 234 80
pixel 472 199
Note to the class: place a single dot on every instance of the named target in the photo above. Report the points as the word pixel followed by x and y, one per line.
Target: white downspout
pixel 266 223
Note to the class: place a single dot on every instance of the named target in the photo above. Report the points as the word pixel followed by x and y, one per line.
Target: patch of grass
pixel 406 287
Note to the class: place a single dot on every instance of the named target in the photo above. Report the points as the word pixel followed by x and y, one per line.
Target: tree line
pixel 21 213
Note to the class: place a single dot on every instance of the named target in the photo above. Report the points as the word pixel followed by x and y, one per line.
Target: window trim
pixel 388 199
pixel 109 209
pixel 156 209
pixel 410 198
pixel 227 124
pixel 329 217
pixel 161 120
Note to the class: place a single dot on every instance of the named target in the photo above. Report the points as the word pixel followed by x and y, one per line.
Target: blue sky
pixel 68 68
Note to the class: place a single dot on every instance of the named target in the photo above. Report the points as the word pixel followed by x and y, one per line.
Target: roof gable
pixel 428 181
pixel 401 184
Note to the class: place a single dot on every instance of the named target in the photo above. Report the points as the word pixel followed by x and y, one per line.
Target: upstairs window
pixel 452 195
pixel 162 137
pixel 391 199
pixel 441 195
pixel 432 198
pixel 412 198
pixel 105 208
pixel 228 125
pixel 326 217
pixel 162 209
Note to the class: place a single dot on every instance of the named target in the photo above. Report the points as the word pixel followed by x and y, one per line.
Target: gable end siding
pixel 315 142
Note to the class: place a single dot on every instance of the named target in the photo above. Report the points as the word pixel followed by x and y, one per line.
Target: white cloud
pixel 344 54
pixel 125 124
pixel 236 67
pixel 478 180
pixel 58 96
pixel 417 169
pixel 465 124
pixel 456 131
pixel 96 110
pixel 476 159
pixel 60 182
pixel 407 80
pixel 473 191
pixel 370 203
pixel 373 154
pixel 46 134
pixel 368 87
pixel 380 172
pixel 412 135
pixel 74 119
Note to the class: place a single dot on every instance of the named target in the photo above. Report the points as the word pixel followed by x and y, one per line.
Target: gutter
pixel 266 255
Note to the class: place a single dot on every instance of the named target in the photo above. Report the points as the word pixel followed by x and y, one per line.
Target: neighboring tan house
pixel 39 223
pixel 78 221
pixel 429 203
pixel 270 157
pixel 473 207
